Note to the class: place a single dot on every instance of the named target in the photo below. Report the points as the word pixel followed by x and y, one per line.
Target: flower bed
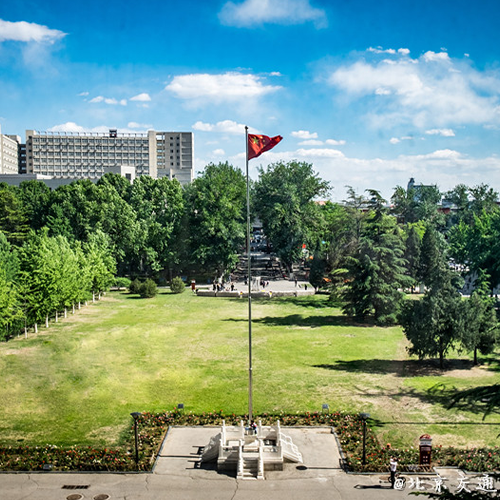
pixel 153 426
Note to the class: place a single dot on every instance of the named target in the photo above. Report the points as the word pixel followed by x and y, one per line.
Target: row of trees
pixel 48 275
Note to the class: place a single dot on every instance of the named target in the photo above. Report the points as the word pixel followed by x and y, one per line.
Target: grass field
pixel 78 381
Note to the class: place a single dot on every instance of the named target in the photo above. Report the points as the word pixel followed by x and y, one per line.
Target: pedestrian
pixel 232 287
pixel 393 465
pixel 253 426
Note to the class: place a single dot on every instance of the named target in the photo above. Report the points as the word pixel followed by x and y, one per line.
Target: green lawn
pixel 78 381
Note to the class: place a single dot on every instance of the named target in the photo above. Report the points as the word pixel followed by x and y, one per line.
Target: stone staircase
pixel 251 451
pixel 249 468
pixel 267 266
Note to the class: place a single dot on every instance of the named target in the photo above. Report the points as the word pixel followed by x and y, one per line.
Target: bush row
pixel 153 426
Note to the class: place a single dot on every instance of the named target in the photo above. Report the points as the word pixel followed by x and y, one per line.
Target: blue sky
pixel 370 93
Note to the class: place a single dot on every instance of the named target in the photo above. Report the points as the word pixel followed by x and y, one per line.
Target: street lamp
pixel 136 415
pixel 364 417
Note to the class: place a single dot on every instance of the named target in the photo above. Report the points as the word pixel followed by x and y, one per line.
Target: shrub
pixel 122 282
pixel 148 289
pixel 135 286
pixel 177 285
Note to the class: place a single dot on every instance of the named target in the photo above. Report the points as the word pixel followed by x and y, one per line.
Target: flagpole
pixel 250 402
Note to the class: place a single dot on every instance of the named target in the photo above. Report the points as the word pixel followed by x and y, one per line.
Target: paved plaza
pixel 178 474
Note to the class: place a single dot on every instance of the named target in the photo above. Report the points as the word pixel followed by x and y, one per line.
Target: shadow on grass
pixel 310 301
pixel 304 321
pixel 404 368
pixel 439 394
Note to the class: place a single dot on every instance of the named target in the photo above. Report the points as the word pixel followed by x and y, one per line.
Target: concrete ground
pixel 178 474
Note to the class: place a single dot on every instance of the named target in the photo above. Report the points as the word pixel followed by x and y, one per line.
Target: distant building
pixel 84 155
pixel 418 188
pixel 10 146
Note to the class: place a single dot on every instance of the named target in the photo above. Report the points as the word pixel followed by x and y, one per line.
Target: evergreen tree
pixel 482 329
pixel 435 324
pixel 412 255
pixel 376 272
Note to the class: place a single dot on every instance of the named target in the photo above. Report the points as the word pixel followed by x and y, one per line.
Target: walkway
pixel 178 476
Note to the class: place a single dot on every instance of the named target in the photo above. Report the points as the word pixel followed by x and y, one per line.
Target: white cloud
pixel 231 86
pixel 108 100
pixel 28 32
pixel 433 91
pixel 219 152
pixel 67 127
pixel 83 94
pixel 146 126
pixel 144 97
pixel 380 50
pixel 445 132
pixel 257 12
pixel 334 142
pixel 304 134
pixel 436 56
pixel 311 142
pixel 319 153
pixel 225 126
pixel 397 140
pixel 441 154
pixel 75 128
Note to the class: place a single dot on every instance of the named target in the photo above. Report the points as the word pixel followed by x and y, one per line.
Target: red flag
pixel 258 144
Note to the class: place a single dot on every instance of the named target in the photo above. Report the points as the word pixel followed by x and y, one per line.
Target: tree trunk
pixel 47 321
pixel 36 328
pixel 65 312
pixel 93 297
pixel 57 317
pixel 475 356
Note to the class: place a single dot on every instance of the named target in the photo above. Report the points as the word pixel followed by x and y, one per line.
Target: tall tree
pixel 412 255
pixel 376 271
pixel 13 221
pixel 9 296
pixel 215 208
pixel 284 200
pixel 159 207
pixel 483 329
pixel 434 324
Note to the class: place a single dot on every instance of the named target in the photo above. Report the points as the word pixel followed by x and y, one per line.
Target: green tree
pixel 100 262
pixel 177 285
pixel 13 221
pixel 412 255
pixel 216 214
pixel 159 207
pixel 433 256
pixel 9 296
pixel 36 278
pixel 482 329
pixel 417 203
pixel 376 271
pixel 35 198
pixel 148 289
pixel 284 200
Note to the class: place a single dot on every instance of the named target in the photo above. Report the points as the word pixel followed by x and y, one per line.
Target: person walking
pixel 393 465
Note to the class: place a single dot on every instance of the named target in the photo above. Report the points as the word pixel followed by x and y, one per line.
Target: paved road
pixel 178 475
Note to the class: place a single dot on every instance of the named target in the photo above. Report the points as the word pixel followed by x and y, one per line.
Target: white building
pixel 85 155
pixel 9 153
